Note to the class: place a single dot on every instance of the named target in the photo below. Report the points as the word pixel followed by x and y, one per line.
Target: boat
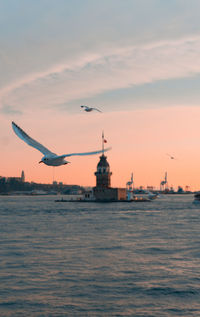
pixel 139 199
pixel 62 200
pixel 196 198
pixel 133 199
pixel 152 196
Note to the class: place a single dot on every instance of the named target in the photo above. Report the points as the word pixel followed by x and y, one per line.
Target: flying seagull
pixel 89 109
pixel 49 157
pixel 171 157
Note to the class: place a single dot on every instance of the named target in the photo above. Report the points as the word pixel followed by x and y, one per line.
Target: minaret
pixel 103 173
pixel 22 177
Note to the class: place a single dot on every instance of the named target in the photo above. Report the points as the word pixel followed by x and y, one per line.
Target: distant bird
pixel 89 109
pixel 49 157
pixel 171 157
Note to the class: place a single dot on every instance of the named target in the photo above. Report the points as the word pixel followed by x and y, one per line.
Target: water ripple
pixel 81 259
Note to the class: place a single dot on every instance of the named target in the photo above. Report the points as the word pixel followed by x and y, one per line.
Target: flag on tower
pixel 103 141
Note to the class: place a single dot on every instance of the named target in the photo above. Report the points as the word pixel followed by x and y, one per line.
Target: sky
pixel 136 60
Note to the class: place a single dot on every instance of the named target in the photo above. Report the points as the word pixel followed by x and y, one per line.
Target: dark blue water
pixel 87 259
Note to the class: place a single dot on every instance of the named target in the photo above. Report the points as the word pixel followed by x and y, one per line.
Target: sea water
pixel 106 259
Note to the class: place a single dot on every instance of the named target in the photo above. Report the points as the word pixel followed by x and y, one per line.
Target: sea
pixel 99 259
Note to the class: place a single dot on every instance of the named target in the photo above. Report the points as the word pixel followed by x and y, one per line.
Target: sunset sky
pixel 136 60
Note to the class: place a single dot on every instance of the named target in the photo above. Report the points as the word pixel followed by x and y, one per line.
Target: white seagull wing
pixel 26 138
pixel 97 109
pixel 85 153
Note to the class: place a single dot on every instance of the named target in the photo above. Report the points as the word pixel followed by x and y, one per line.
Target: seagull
pixel 89 109
pixel 171 157
pixel 49 157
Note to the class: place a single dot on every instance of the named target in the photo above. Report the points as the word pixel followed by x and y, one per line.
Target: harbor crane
pixel 164 183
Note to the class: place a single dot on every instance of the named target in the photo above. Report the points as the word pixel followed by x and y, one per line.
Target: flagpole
pixel 103 142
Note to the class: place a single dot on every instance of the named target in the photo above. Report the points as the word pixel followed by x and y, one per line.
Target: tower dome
pixel 103 162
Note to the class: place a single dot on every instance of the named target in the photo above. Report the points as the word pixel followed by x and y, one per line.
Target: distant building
pixel 13 179
pixel 17 179
pixel 187 188
pixel 150 188
pixel 180 190
pixel 103 190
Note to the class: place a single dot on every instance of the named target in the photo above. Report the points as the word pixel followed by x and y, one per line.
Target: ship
pixel 196 198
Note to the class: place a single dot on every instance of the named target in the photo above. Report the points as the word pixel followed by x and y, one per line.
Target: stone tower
pixel 103 191
pixel 103 173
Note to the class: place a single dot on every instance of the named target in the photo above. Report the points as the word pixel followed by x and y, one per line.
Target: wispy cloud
pixel 96 73
pixel 7 110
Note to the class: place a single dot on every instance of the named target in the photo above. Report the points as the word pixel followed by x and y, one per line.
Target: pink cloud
pixel 98 72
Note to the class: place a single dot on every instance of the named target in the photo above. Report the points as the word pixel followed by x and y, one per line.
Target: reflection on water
pixel 89 259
